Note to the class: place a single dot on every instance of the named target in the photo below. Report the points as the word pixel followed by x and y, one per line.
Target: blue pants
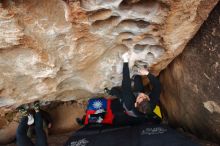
pixel 21 134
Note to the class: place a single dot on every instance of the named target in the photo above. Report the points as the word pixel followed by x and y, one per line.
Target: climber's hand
pixel 125 57
pixel 143 71
pixel 141 97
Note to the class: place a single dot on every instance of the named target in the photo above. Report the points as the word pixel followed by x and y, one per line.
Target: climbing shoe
pixel 23 110
pixel 36 106
pixel 106 91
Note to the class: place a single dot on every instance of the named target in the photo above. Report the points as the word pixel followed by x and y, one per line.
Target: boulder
pixel 69 50
pixel 191 83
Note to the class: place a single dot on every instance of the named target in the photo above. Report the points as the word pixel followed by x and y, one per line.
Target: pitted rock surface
pixel 68 50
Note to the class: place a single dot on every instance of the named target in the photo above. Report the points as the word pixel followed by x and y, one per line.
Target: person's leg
pixel 41 138
pixel 115 91
pixel 21 133
pixel 138 84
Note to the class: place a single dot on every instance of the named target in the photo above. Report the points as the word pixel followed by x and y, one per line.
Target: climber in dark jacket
pixel 137 105
pixel 131 106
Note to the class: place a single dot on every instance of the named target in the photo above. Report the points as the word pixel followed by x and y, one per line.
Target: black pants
pixel 21 134
pixel 126 94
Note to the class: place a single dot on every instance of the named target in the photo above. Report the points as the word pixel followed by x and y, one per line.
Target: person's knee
pixel 114 89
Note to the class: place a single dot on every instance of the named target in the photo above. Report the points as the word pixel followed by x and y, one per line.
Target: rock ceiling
pixel 68 50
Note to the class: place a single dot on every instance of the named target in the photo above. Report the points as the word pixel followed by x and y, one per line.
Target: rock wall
pixel 191 83
pixel 68 50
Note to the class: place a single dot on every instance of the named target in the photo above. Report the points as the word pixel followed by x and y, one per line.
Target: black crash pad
pixel 137 135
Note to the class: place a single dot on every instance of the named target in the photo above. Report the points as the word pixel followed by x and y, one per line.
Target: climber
pixel 135 102
pixel 28 119
pixel 131 107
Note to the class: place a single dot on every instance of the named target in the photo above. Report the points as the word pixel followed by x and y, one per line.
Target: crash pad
pixel 133 135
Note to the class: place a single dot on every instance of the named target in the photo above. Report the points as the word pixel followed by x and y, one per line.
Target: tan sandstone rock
pixel 67 50
pixel 191 83
pixel 70 50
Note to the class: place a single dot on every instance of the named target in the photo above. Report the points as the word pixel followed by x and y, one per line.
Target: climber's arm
pixel 156 90
pixel 154 81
